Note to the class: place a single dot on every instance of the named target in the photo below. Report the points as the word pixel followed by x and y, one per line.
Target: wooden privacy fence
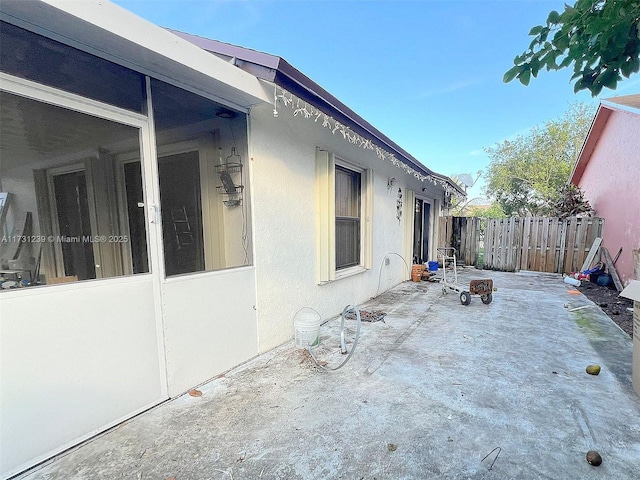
pixel 541 244
pixel 464 234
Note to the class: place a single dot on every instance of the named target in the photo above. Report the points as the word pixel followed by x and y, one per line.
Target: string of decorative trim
pixel 304 110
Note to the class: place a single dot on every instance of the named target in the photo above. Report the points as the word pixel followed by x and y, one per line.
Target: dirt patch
pixel 614 306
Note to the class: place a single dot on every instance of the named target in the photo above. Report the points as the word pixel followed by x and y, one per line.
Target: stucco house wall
pixel 101 350
pixel 283 156
pixel 610 181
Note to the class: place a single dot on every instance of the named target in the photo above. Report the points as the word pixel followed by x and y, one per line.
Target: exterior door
pixel 207 277
pixel 210 323
pixel 421 231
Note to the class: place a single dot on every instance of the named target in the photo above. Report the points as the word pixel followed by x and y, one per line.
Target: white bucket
pixel 307 328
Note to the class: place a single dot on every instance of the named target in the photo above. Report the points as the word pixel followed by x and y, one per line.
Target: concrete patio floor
pixel 427 394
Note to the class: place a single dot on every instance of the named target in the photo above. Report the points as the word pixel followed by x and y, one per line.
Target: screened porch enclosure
pixel 120 245
pixel 76 198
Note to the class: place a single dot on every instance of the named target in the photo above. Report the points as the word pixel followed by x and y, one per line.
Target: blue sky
pixel 426 73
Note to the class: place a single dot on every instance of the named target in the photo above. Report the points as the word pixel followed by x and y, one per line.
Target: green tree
pixel 571 202
pixel 493 211
pixel 601 38
pixel 470 208
pixel 526 175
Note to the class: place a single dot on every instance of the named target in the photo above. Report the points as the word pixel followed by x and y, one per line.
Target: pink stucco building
pixel 608 171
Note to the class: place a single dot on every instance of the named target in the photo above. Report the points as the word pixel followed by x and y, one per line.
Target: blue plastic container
pixel 433 266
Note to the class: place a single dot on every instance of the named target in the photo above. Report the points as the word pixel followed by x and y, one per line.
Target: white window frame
pixel 326 218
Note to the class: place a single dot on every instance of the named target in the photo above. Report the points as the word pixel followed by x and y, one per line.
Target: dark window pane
pixel 347 193
pixel 181 213
pixel 175 107
pixel 347 217
pixel 40 59
pixel 347 242
pixel 137 225
pixel 73 220
pixel 417 232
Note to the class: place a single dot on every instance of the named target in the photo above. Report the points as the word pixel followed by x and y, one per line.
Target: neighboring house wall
pixel 610 183
pixel 283 171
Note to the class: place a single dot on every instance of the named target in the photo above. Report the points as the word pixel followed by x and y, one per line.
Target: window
pixel 344 202
pixel 348 213
pixel 421 231
pixel 64 222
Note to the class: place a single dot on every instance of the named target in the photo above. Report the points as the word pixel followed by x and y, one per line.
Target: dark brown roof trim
pixel 279 71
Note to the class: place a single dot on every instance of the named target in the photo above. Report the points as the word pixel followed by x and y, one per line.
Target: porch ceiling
pixel 38 131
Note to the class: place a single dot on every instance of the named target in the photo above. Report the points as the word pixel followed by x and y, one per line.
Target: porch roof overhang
pixel 277 70
pixel 113 33
pixel 627 103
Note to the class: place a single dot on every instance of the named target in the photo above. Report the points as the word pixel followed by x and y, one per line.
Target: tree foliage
pixel 526 175
pixel 471 209
pixel 494 210
pixel 601 38
pixel 571 202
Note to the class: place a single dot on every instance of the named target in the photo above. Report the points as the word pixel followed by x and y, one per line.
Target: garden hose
pixel 343 344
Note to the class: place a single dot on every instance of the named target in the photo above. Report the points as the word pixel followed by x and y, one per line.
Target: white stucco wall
pixel 282 165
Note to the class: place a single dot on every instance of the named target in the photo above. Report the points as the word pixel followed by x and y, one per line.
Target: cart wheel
pixel 486 299
pixel 444 290
pixel 465 298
